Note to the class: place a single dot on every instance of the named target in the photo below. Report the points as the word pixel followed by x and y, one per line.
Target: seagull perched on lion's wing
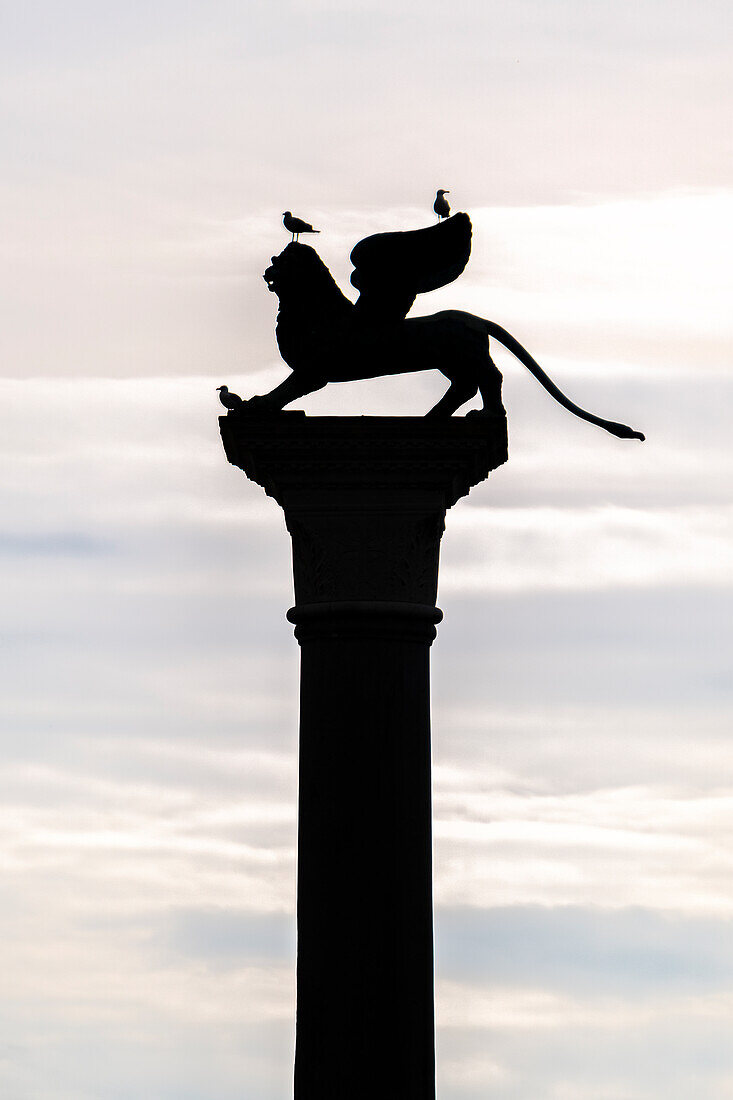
pixel 440 206
pixel 296 226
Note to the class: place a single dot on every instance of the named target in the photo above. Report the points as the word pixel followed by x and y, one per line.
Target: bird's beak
pixel 220 387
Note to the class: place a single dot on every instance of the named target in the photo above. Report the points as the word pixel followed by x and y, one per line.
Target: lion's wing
pixel 391 269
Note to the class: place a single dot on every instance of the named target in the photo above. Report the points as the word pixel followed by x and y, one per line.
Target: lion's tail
pixel 512 345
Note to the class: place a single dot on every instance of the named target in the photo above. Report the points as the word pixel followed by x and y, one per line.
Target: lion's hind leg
pixel 489 385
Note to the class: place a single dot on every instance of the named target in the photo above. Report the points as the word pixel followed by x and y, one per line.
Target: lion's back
pixel 450 332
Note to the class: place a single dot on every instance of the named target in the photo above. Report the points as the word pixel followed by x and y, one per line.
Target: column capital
pixel 365 496
pixel 312 461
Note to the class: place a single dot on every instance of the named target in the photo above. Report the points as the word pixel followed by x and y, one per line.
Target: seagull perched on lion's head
pixel 296 226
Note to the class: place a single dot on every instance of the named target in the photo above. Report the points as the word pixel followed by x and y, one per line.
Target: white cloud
pixel 515 549
pixel 641 847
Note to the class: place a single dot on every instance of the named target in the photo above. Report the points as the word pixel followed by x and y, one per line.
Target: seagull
pixel 296 226
pixel 229 400
pixel 440 206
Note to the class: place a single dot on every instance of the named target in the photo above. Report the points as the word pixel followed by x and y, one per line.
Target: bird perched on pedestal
pixel 229 400
pixel 440 206
pixel 296 226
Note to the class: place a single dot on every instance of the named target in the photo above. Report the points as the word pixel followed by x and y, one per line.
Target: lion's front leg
pixel 294 386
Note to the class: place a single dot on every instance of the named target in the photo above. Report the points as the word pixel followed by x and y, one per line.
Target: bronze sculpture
pixel 324 337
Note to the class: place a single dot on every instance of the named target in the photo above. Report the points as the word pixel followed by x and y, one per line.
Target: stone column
pixel 364 501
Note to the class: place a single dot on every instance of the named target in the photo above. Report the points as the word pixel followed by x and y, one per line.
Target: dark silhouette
pixel 229 400
pixel 440 206
pixel 391 269
pixel 364 501
pixel 296 226
pixel 323 337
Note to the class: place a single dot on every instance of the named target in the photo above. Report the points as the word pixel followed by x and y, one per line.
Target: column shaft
pixel 365 1025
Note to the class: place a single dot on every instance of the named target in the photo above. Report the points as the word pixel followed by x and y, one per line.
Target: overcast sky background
pixel 582 691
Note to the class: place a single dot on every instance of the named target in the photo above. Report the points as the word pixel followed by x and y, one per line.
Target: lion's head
pixel 299 277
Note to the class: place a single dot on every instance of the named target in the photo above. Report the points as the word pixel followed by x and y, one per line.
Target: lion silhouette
pixel 324 337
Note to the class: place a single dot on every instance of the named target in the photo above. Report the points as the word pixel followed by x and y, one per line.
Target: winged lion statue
pixel 324 337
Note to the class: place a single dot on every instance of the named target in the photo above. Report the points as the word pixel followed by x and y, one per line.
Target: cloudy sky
pixel 582 693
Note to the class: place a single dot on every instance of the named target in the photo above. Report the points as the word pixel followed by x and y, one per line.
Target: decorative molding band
pixel 411 622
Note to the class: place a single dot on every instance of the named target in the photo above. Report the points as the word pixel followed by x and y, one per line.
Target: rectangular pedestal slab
pixel 289 452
